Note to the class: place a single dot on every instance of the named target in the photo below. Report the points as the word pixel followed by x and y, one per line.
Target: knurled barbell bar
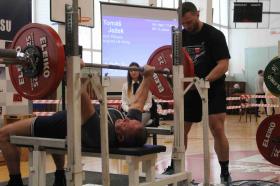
pixel 36 63
pixel 117 67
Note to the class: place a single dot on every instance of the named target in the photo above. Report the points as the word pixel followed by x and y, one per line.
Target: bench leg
pixel 37 167
pixel 149 169
pixel 154 139
pixel 133 171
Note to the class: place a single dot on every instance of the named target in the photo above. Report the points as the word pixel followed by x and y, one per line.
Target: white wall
pixel 252 38
pixel 138 2
pixel 240 39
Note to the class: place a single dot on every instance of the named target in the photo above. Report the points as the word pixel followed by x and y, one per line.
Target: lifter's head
pixel 190 17
pixel 130 133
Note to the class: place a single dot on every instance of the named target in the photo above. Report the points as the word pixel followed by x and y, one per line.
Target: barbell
pixel 37 59
pixel 118 67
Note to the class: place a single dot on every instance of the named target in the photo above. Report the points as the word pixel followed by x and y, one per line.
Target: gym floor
pixel 245 160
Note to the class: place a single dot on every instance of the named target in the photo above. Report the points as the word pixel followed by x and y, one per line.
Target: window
pixel 220 12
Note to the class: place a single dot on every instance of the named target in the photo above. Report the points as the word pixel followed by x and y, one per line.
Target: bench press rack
pixel 133 156
pixel 74 172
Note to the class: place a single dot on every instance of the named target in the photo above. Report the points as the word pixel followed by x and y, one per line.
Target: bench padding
pixel 60 144
pixel 137 151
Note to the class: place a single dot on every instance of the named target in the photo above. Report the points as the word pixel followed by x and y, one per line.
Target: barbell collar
pixel 11 53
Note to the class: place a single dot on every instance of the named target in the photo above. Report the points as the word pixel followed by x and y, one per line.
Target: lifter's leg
pixel 10 152
pixel 60 179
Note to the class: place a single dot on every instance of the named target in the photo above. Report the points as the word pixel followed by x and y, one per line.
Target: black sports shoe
pixel 193 183
pixel 168 171
pixel 226 179
pixel 61 181
pixel 11 184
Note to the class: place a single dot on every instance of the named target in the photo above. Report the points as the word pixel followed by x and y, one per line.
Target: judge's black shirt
pixel 206 47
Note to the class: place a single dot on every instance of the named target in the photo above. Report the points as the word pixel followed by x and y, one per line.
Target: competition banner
pixel 14 14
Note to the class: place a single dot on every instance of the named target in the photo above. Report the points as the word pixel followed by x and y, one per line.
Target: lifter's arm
pixel 143 90
pixel 87 109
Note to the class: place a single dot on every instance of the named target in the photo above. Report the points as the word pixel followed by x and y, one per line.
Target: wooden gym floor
pixel 245 160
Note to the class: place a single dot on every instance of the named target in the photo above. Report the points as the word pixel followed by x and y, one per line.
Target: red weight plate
pixel 161 58
pixel 268 139
pixel 52 49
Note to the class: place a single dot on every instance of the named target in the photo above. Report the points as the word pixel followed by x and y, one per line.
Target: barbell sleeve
pixel 8 53
pixel 11 53
pixel 11 61
pixel 141 69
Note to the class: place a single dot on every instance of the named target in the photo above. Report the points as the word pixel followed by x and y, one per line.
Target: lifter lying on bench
pixel 128 132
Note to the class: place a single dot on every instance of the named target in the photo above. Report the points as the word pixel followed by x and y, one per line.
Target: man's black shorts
pixel 193 104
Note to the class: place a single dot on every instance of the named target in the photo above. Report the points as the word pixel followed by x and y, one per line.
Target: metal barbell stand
pixel 100 87
pixel 74 166
pixel 74 170
pixel 202 87
pixel 178 155
pixel 178 83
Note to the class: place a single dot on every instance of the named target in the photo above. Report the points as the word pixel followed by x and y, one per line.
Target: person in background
pixel 236 89
pixel 260 91
pixel 271 100
pixel 134 78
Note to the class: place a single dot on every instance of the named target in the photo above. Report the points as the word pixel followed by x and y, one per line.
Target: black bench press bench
pixel 133 156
